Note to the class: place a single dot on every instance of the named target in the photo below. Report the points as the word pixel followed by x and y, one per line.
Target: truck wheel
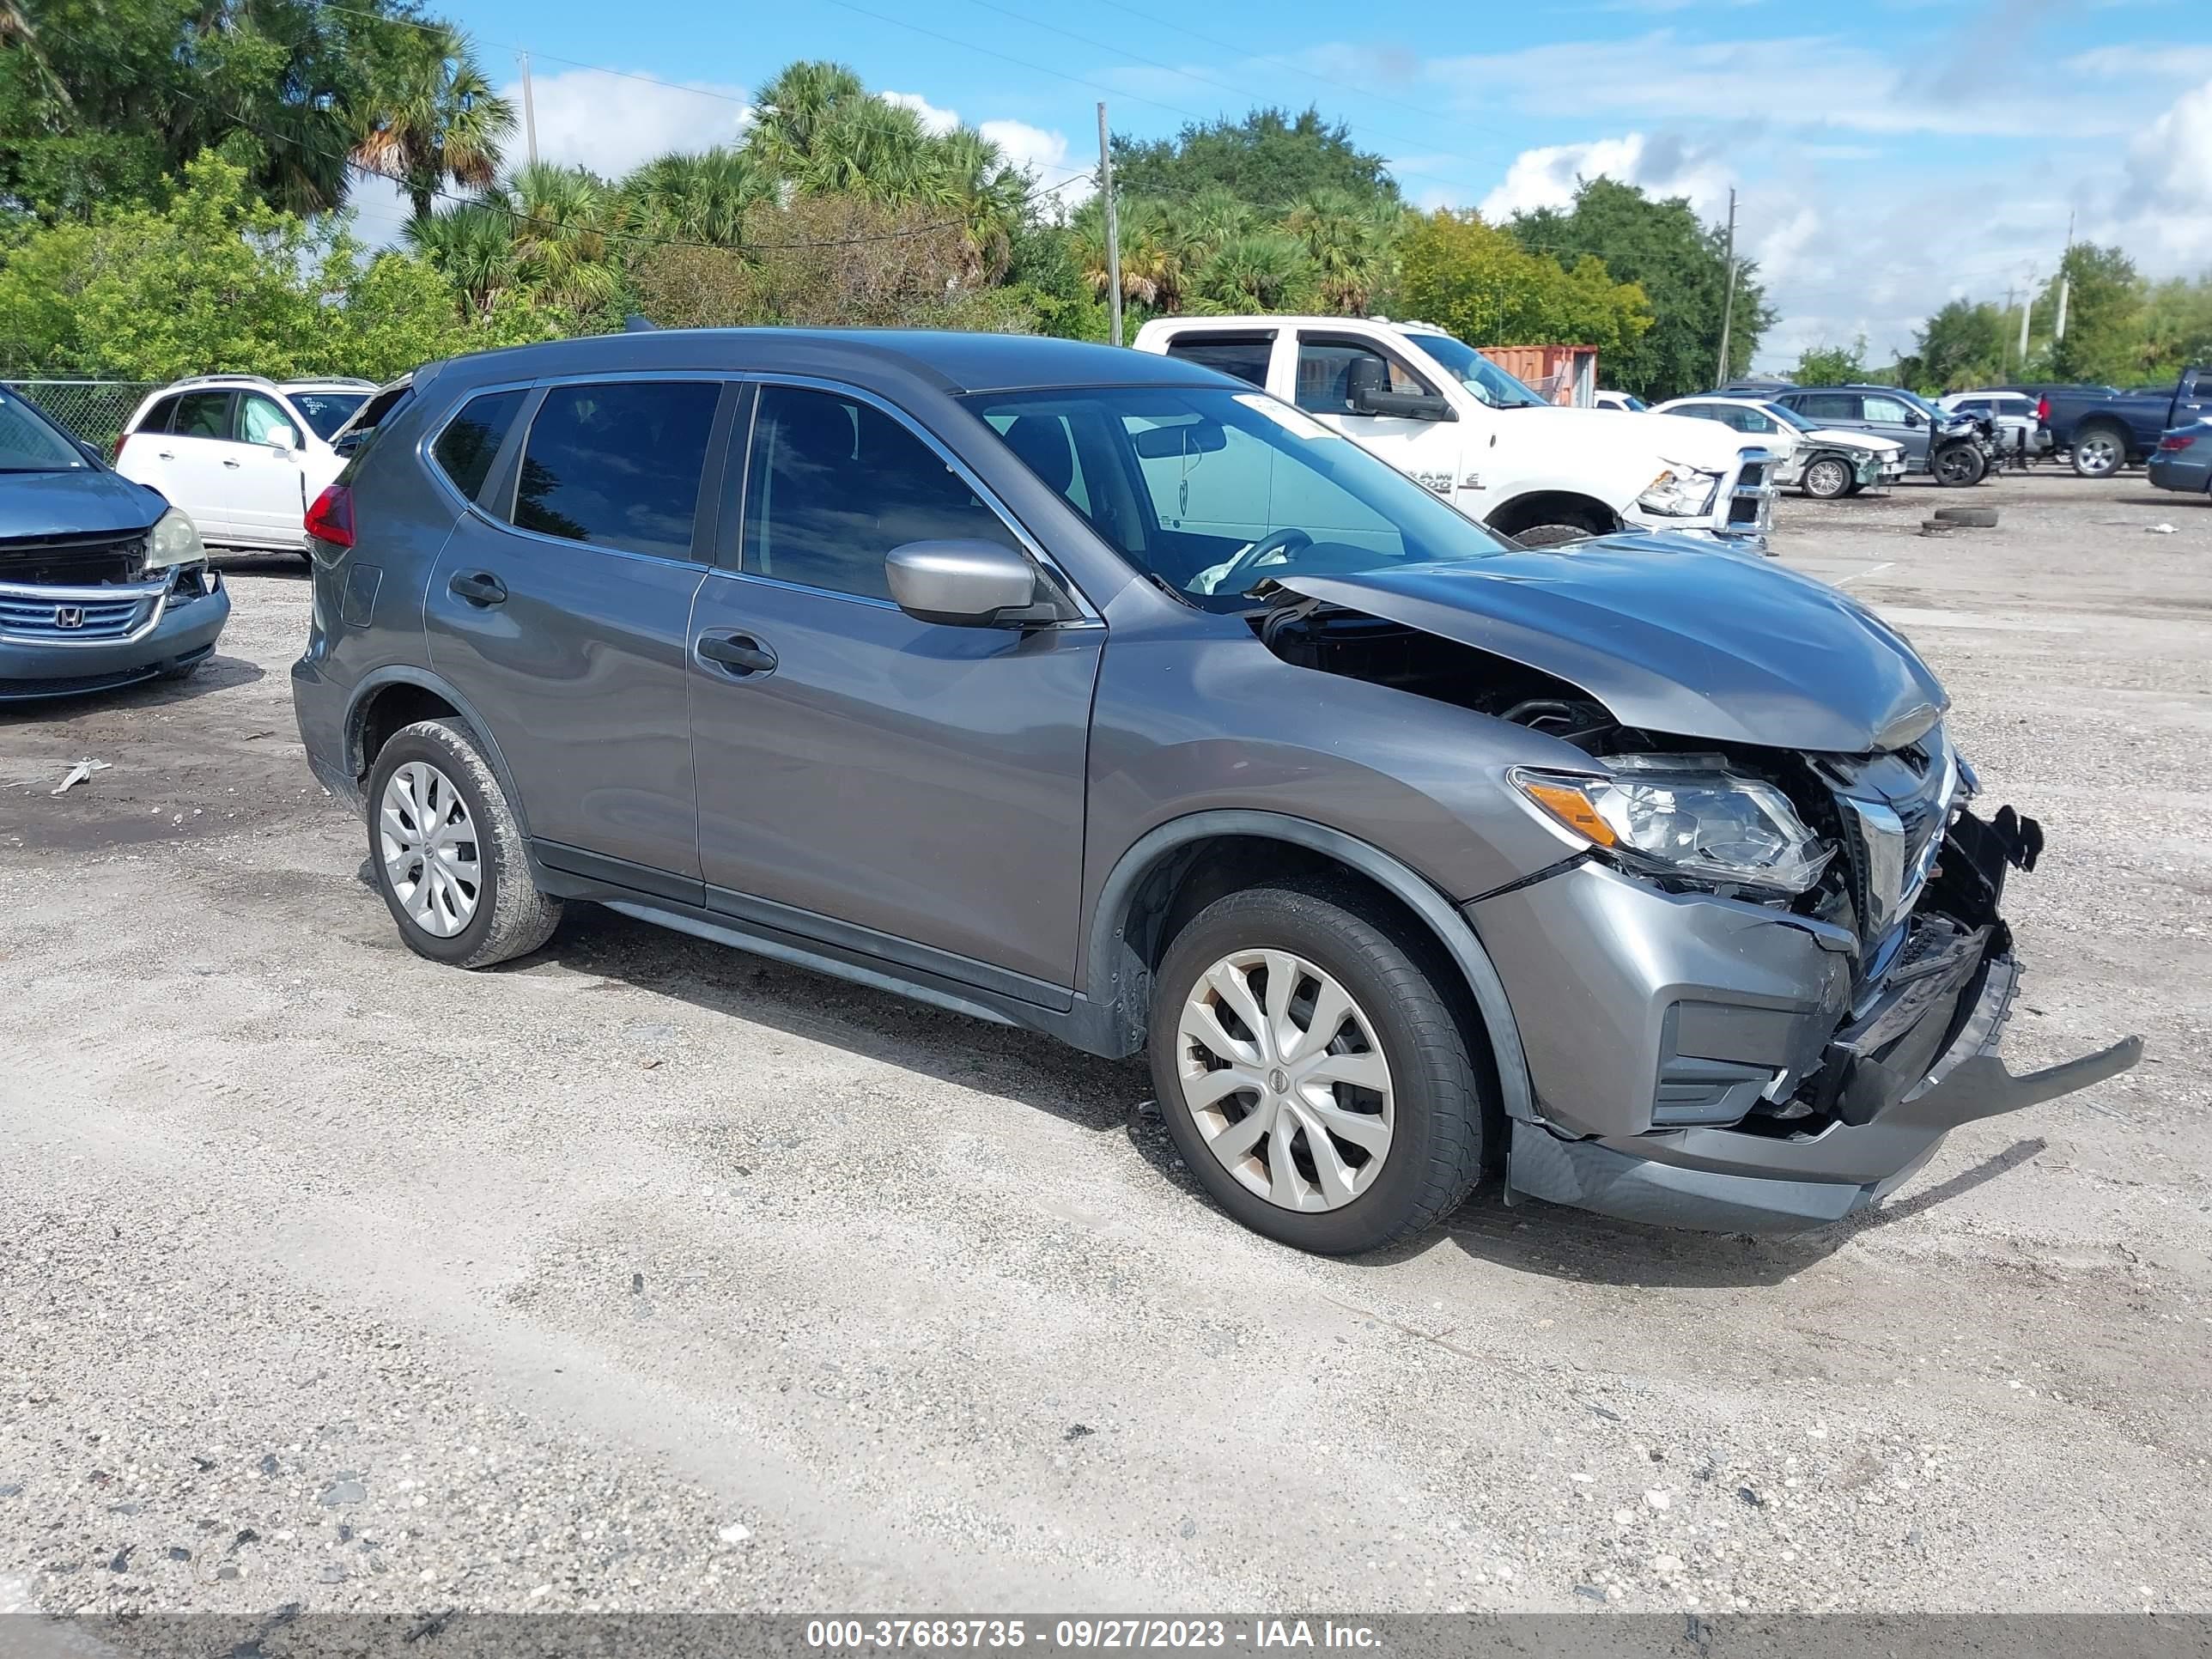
pixel 447 851
pixel 2099 452
pixel 1312 1071
pixel 1961 464
pixel 1557 527
pixel 1827 478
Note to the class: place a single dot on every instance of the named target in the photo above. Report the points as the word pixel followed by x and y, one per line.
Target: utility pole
pixel 529 112
pixel 2065 282
pixel 2004 350
pixel 1113 226
pixel 2027 310
pixel 1728 305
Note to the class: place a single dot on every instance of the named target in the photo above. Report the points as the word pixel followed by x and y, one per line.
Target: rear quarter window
pixel 471 442
pixel 1244 356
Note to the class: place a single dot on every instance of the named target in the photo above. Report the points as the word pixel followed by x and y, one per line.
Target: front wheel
pixel 1312 1068
pixel 1960 465
pixel 1827 478
pixel 2099 452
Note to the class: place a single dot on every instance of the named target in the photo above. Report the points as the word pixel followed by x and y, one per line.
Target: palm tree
pixel 1151 274
pixel 560 223
pixel 473 244
pixel 1339 236
pixel 1210 217
pixel 701 197
pixel 1260 271
pixel 877 150
pixel 435 119
pixel 793 106
pixel 15 31
pixel 993 197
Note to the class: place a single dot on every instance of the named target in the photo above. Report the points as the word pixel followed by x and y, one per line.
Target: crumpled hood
pixel 1671 636
pixel 40 506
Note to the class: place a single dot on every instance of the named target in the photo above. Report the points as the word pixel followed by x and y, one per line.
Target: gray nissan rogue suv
pixel 1096 693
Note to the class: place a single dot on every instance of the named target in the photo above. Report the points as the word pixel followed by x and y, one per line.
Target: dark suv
pixel 1097 693
pixel 1953 449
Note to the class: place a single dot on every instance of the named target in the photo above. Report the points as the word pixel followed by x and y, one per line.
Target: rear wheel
pixel 1312 1068
pixel 1827 478
pixel 447 851
pixel 2099 452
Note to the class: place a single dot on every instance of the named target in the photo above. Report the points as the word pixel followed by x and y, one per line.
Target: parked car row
pixel 1824 462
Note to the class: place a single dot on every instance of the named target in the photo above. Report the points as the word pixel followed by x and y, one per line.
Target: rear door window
pixel 617 465
pixel 471 442
pixel 1829 406
pixel 158 417
pixel 204 415
pixel 1244 356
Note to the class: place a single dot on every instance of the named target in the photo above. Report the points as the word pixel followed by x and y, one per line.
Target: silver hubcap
pixel 1284 1080
pixel 1827 479
pixel 429 847
pixel 2099 453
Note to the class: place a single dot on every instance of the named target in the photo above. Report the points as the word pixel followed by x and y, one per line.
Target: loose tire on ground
pixel 1401 988
pixel 484 897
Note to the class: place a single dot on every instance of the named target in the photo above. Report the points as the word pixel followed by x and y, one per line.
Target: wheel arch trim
pixel 383 679
pixel 1116 982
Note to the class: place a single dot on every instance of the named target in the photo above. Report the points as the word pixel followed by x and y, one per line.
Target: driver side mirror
pixel 1913 420
pixel 1367 387
pixel 967 584
pixel 282 439
pixel 91 452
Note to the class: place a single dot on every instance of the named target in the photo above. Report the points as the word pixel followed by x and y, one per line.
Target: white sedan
pixel 1824 462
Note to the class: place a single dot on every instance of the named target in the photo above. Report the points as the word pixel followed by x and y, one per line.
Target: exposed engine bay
pixel 1893 859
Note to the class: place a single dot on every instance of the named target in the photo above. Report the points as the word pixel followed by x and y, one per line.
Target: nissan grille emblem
pixel 68 615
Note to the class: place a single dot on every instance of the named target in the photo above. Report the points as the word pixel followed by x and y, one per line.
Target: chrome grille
pixel 79 617
pixel 1894 815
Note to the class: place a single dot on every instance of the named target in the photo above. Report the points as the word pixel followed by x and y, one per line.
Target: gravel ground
pixel 647 1275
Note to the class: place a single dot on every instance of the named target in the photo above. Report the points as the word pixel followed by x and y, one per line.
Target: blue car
pixel 2183 460
pixel 102 582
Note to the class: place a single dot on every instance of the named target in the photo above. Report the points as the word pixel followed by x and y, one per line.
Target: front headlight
pixel 175 540
pixel 1681 492
pixel 1683 816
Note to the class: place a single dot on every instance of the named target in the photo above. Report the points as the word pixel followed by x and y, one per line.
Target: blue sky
pixel 1888 155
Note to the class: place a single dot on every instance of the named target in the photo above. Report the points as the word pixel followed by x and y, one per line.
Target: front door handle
pixel 233 465
pixel 478 588
pixel 741 653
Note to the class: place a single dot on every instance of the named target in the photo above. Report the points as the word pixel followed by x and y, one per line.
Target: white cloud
pixel 934 120
pixel 611 123
pixel 1043 155
pixel 2168 201
pixel 1662 167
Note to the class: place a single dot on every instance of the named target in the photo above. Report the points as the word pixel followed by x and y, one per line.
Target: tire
pixel 1559 527
pixel 1827 479
pixel 1435 1111
pixel 478 906
pixel 1959 465
pixel 1969 518
pixel 2098 452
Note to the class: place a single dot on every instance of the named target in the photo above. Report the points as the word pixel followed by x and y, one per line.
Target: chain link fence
pixel 92 409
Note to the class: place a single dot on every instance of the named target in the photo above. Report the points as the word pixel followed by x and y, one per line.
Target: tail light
pixel 121 440
pixel 330 518
pixel 2042 409
pixel 2177 440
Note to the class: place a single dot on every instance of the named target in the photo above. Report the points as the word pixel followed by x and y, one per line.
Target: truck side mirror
pixel 1367 389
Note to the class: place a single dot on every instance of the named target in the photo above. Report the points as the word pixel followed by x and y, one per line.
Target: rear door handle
pixel 163 455
pixel 478 588
pixel 741 653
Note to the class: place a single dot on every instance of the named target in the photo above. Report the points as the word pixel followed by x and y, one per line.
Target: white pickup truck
pixel 1446 415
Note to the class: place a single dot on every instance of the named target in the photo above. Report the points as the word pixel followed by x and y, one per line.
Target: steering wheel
pixel 1289 539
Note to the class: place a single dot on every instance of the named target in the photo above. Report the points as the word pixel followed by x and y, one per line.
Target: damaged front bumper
pixel 1701 1062
pixel 63 639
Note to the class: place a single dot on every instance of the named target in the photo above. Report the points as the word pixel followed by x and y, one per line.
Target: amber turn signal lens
pixel 1572 808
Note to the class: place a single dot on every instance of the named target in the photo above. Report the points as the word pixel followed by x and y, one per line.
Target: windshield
pixel 1782 412
pixel 326 412
pixel 1217 493
pixel 29 442
pixel 1477 373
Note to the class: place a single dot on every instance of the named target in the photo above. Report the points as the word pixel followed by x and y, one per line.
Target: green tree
pixel 1828 365
pixel 431 119
pixel 793 104
pixel 1679 262
pixel 1348 244
pixel 1960 346
pixel 101 99
pixel 701 197
pixel 2106 317
pixel 1253 271
pixel 1269 159
pixel 1478 282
